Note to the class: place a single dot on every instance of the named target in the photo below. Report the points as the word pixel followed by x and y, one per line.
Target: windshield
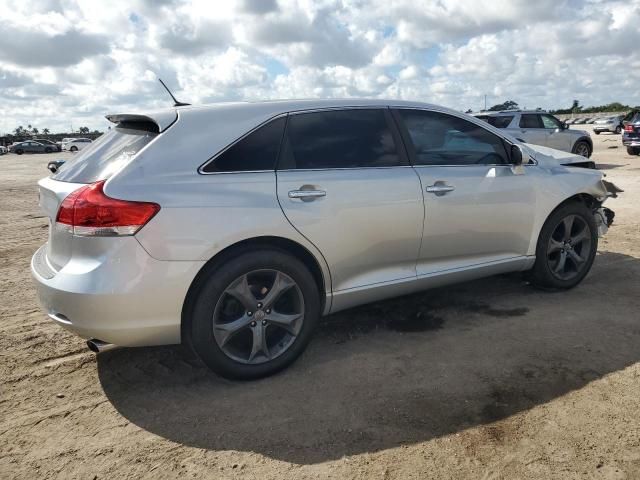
pixel 102 158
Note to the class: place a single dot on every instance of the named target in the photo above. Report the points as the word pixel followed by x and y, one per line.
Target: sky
pixel 68 63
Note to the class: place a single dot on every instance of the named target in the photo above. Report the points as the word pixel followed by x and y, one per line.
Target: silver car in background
pixel 541 128
pixel 232 228
pixel 608 124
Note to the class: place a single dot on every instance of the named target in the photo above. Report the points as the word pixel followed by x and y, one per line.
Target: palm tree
pixel 35 131
pixel 45 131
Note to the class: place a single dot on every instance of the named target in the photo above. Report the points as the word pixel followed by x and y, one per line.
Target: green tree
pixel 35 131
pixel 508 105
pixel 19 131
pixel 45 131
pixel 83 130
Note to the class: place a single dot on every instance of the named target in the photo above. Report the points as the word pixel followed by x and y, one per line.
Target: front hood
pixel 550 157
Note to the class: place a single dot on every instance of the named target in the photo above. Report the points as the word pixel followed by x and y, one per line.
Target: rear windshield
pixel 109 153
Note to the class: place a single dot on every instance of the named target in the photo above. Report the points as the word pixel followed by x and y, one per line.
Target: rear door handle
pixel 307 195
pixel 440 188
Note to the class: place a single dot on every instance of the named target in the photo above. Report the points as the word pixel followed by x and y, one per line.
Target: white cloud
pixel 71 61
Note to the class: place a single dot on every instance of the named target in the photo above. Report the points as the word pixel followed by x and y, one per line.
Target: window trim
pixel 406 137
pixel 241 138
pixel 404 161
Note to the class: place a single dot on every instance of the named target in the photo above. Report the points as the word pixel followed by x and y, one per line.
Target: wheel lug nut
pixel 264 322
pixel 259 305
pixel 249 313
pixel 268 310
pixel 253 324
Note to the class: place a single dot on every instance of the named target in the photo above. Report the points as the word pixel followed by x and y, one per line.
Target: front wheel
pixel 74 149
pixel 582 148
pixel 47 150
pixel 597 132
pixel 633 150
pixel 566 248
pixel 254 315
pixel 618 130
pixel 19 151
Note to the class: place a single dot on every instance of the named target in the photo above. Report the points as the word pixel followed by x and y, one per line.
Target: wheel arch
pixel 273 242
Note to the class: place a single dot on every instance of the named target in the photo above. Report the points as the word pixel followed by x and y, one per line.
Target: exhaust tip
pixel 97 346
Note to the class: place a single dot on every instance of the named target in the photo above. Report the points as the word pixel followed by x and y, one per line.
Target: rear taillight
pixel 628 128
pixel 88 211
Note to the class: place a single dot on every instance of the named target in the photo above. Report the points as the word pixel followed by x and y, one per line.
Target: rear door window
pixel 550 122
pixel 110 152
pixel 530 120
pixel 356 138
pixel 500 122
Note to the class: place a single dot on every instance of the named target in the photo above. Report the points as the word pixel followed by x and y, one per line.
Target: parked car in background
pixel 541 128
pixel 265 223
pixel 54 145
pixel 592 120
pixel 608 124
pixel 76 144
pixel 3 149
pixel 631 133
pixel 31 146
pixel 64 140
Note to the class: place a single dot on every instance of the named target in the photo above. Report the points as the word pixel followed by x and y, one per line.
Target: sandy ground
pixel 484 380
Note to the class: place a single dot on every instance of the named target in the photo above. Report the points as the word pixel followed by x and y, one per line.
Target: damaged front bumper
pixel 604 216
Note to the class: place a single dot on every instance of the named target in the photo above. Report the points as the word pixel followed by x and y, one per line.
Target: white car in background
pixel 76 144
pixel 3 150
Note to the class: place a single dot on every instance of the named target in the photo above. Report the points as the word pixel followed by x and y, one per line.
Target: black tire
pixel 47 150
pixel 618 130
pixel 633 150
pixel 597 132
pixel 73 149
pixel 19 151
pixel 199 317
pixel 582 145
pixel 542 274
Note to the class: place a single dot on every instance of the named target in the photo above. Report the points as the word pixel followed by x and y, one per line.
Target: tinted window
pixel 530 120
pixel 257 151
pixel 550 122
pixel 339 139
pixel 500 122
pixel 441 139
pixel 105 156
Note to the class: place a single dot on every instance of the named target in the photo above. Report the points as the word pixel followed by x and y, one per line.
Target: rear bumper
pixel 124 297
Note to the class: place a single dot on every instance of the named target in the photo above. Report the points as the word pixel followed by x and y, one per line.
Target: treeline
pixel 575 108
pixel 30 131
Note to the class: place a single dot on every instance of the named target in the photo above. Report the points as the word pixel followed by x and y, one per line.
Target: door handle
pixel 440 188
pixel 307 195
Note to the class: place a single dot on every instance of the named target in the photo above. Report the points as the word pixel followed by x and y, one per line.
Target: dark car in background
pixel 45 142
pixel 631 133
pixel 31 146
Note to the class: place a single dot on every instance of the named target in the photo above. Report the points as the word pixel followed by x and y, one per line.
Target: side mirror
pixel 516 155
pixel 565 126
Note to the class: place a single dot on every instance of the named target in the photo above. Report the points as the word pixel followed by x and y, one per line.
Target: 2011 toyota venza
pixel 232 228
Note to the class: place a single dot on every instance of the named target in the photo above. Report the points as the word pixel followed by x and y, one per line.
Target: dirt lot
pixel 485 380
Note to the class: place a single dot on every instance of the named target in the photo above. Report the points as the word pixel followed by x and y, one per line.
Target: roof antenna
pixel 176 103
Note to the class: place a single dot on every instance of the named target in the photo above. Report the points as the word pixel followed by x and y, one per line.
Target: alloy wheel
pixel 582 149
pixel 569 247
pixel 259 316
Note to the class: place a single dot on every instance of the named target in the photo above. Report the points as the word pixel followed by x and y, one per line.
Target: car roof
pixel 164 118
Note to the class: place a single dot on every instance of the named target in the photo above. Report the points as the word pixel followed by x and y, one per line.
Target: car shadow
pixel 395 372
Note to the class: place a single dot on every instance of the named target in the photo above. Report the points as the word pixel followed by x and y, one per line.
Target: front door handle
pixel 440 188
pixel 307 195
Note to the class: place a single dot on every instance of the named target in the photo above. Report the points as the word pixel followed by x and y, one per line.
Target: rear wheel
pixel 597 132
pixel 566 247
pixel 618 129
pixel 19 151
pixel 633 150
pixel 74 148
pixel 47 150
pixel 254 315
pixel 582 148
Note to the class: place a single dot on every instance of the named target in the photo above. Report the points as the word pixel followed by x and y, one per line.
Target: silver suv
pixel 541 128
pixel 232 228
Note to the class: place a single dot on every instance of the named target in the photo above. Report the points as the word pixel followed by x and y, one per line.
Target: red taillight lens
pixel 628 128
pixel 88 211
